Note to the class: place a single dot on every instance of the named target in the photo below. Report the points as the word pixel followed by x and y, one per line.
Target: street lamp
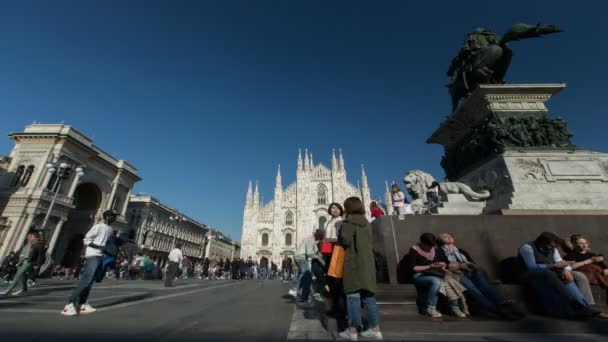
pixel 177 219
pixel 61 172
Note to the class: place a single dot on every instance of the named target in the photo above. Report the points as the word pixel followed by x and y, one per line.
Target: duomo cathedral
pixel 274 229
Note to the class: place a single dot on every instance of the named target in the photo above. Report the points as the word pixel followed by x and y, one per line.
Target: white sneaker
pixel 346 335
pixel 4 293
pixel 87 309
pixel 293 293
pixel 16 293
pixel 369 333
pixel 69 310
pixel 433 313
pixel 458 313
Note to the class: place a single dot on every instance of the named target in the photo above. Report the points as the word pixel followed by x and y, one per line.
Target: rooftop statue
pixel 485 58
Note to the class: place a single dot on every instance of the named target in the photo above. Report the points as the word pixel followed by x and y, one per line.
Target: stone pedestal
pixel 458 204
pixel 543 180
pixel 502 139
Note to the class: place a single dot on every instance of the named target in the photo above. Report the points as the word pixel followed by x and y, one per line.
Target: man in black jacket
pixel 30 256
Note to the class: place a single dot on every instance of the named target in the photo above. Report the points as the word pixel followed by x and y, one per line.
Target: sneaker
pixel 293 293
pixel 370 333
pixel 87 309
pixel 433 313
pixel 346 335
pixel 318 297
pixel 458 313
pixel 4 293
pixel 69 310
pixel 30 283
pixel 16 293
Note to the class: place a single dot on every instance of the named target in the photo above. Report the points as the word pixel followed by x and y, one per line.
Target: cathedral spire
pixel 312 163
pixel 341 160
pixel 278 181
pixel 363 177
pixel 388 199
pixel 299 160
pixel 256 195
pixel 306 162
pixel 249 195
pixel 334 161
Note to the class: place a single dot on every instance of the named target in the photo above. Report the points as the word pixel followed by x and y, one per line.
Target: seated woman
pixel 552 282
pixel 590 264
pixel 474 279
pixel 429 271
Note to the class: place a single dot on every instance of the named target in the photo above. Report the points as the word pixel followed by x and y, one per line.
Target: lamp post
pixel 62 172
pixel 176 219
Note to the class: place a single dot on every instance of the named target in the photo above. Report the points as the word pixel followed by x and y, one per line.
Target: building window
pixel 288 239
pixel 28 174
pixel 289 218
pixel 265 239
pixel 322 194
pixel 18 174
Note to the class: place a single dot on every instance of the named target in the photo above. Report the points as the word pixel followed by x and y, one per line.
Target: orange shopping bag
pixel 336 266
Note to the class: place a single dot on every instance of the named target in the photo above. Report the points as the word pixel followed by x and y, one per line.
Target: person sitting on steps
pixel 429 271
pixel 475 280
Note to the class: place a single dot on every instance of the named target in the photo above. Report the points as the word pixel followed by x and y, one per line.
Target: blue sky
pixel 205 95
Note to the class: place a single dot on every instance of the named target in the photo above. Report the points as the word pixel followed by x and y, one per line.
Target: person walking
pixel 95 241
pixel 359 271
pixel 307 250
pixel 30 257
pixel 175 263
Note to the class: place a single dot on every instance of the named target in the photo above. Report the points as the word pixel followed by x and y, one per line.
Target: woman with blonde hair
pixel 585 261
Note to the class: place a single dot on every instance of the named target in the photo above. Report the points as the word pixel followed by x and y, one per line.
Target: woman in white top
pixel 399 201
pixel 332 228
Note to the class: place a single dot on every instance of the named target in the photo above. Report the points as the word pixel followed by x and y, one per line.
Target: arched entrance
pixel 87 199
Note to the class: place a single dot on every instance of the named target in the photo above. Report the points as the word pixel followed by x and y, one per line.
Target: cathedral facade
pixel 274 229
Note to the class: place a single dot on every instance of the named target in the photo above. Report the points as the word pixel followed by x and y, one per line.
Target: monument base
pixel 458 204
pixel 543 180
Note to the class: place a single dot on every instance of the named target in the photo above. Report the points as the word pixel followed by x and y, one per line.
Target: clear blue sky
pixel 204 96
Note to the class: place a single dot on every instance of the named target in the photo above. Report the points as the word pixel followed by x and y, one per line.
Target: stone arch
pixel 288 239
pixel 289 218
pixel 87 201
pixel 321 194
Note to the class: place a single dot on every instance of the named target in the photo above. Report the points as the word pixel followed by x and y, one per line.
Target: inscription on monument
pixel 568 169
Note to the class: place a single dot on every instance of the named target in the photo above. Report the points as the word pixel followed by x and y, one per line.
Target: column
pixel 55 236
pixel 126 205
pixel 23 234
pixel 113 193
pixel 74 185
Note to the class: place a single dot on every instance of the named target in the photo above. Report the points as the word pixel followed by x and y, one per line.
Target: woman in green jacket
pixel 359 271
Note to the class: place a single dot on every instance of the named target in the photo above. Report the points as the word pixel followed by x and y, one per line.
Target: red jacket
pixel 377 212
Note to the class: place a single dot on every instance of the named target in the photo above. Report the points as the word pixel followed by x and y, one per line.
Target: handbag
pixel 336 265
pixel 434 273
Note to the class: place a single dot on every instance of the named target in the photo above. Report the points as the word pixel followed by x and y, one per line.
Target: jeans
pixel 482 292
pixel 353 304
pixel 431 284
pixel 305 278
pixel 576 293
pixel 81 293
pixel 171 273
pixel 20 280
